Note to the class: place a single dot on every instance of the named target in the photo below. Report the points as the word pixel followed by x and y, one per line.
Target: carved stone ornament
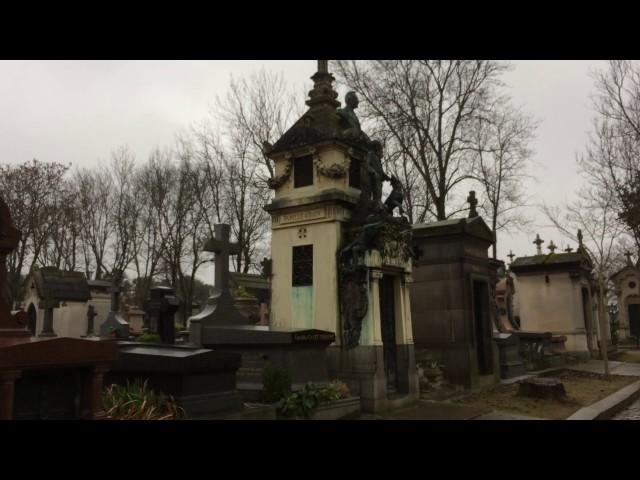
pixel 279 180
pixel 335 170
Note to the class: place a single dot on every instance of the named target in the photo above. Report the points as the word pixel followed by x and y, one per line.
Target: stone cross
pixel 568 249
pixel 511 256
pixel 222 247
pixel 538 242
pixel 473 202
pixel 91 314
pixel 115 289
pixel 628 255
pixel 552 246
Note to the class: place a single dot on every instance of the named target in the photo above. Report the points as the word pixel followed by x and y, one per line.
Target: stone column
pixel 91 407
pixel 47 327
pixel 7 393
pixel 376 275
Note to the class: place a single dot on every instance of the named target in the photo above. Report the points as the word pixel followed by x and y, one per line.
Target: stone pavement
pixel 630 413
pixel 615 368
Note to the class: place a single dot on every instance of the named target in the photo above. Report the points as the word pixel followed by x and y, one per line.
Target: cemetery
pixel 330 286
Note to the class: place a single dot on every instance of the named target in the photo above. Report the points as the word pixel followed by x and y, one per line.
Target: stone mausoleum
pixel 554 294
pixel 340 259
pixel 450 297
pixel 627 289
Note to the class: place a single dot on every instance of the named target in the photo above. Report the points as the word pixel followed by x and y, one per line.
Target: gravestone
pixel 115 326
pixel 45 377
pixel 220 309
pixel 161 308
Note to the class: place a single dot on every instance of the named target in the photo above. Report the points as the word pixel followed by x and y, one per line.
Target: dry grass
pixel 582 389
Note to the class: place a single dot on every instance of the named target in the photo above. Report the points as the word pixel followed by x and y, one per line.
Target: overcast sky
pixel 79 111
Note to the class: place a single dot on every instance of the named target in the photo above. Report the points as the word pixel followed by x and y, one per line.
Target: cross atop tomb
pixel 115 290
pixel 538 243
pixel 552 247
pixel 568 249
pixel 511 256
pixel 473 202
pixel 222 247
pixel 628 255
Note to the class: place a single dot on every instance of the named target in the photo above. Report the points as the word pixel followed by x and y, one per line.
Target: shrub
pixel 136 401
pixel 276 383
pixel 301 404
pixel 149 338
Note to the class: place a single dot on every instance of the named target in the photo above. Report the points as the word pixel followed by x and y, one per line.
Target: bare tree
pixel 503 151
pixel 429 107
pixel 612 157
pixel 31 191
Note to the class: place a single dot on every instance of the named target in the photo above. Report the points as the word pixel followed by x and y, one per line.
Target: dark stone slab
pixel 301 352
pixel 202 381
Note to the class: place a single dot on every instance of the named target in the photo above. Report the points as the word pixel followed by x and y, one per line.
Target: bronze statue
pixel 375 174
pixel 395 198
pixel 348 115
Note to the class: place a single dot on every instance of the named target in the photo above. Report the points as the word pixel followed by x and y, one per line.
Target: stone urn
pixel 248 307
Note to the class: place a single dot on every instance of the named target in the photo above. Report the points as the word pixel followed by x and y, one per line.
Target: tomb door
pixel 388 326
pixel 634 320
pixel 482 327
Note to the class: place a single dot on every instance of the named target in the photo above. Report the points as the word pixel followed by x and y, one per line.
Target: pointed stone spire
pixel 552 247
pixel 538 243
pixel 323 91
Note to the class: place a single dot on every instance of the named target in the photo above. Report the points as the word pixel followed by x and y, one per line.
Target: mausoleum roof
pixel 475 226
pixel 555 260
pixel 55 284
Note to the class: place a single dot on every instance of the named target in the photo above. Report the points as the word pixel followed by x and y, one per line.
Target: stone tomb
pixel 451 307
pixel 627 289
pixel 554 293
pixel 301 352
pixel 46 377
pixel 67 292
pixel 201 381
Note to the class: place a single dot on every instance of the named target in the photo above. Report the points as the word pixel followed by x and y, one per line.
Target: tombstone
pixel 340 258
pixel 220 308
pixel 48 377
pixel 451 304
pixel 555 295
pixel 161 308
pixel 115 326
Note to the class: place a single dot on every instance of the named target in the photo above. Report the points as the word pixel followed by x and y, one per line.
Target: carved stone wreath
pixel 335 170
pixel 279 180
